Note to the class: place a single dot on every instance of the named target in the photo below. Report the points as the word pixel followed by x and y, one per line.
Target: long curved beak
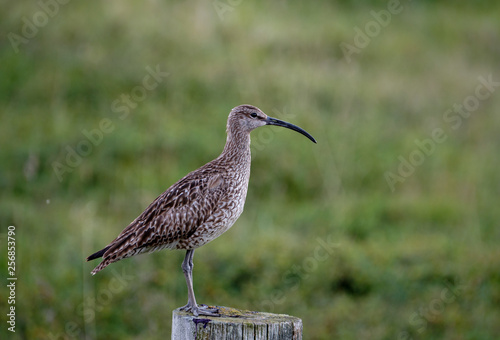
pixel 277 122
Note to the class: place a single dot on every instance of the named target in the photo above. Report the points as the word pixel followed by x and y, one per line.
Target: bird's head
pixel 245 118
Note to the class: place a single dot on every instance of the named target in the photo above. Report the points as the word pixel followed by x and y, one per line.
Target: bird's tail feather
pixel 97 254
pixel 101 266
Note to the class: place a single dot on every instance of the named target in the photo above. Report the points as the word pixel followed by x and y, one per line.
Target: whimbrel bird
pixel 198 208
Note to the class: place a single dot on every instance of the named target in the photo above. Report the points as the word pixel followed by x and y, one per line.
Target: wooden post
pixel 235 324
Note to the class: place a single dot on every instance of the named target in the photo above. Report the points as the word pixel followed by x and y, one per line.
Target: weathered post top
pixel 235 324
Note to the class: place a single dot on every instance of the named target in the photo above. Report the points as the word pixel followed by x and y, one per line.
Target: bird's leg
pixel 187 268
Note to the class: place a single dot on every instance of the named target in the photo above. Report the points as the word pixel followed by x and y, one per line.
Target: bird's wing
pixel 172 216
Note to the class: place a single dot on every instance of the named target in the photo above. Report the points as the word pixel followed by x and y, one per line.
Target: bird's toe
pixel 200 310
pixel 208 310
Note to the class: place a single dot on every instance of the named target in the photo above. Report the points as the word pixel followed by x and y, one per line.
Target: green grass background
pixel 397 254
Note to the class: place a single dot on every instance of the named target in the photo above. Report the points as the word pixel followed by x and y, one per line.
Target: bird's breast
pixel 228 209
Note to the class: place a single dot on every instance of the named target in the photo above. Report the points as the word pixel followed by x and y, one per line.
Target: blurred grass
pixel 395 251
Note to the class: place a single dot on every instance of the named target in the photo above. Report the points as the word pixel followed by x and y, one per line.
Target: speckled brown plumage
pixel 199 207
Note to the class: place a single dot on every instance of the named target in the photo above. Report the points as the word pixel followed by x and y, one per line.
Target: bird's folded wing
pixel 172 216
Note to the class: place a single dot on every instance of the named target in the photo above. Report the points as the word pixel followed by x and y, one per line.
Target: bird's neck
pixel 237 149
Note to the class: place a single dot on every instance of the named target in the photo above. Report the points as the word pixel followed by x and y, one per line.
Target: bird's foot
pixel 200 310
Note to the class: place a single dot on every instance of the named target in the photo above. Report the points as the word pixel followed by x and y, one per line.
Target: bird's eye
pixel 253 115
